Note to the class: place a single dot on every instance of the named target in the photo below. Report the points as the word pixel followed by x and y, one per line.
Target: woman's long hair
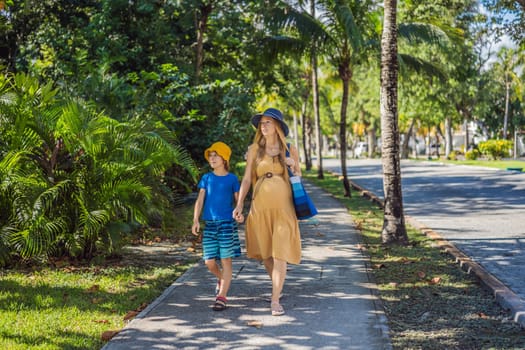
pixel 259 141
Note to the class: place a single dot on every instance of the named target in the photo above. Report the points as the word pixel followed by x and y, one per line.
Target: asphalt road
pixel 480 210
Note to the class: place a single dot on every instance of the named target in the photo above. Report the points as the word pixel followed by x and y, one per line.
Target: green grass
pixel 499 164
pixel 429 301
pixel 70 307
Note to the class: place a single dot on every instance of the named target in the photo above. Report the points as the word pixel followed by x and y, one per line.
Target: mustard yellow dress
pixel 272 229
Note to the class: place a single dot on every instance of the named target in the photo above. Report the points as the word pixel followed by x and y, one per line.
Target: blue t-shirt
pixel 219 200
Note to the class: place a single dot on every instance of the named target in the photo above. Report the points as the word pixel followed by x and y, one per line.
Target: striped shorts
pixel 220 240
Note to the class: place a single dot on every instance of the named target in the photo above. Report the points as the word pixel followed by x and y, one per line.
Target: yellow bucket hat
pixel 221 149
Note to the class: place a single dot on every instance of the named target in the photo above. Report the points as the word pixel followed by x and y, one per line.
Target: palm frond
pixel 300 22
pixel 417 33
pixel 346 21
pixel 421 66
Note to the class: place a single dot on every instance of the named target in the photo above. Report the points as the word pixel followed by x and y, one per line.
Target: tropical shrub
pixel 453 155
pixel 495 149
pixel 74 181
pixel 472 154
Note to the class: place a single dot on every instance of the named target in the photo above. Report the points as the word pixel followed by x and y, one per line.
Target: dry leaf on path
pixel 254 323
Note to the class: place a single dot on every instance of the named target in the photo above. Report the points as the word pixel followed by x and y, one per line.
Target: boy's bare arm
pixel 197 209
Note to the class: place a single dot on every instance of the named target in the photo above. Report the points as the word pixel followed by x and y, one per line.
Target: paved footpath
pixel 329 299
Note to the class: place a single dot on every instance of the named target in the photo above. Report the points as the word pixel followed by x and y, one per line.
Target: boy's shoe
pixel 220 304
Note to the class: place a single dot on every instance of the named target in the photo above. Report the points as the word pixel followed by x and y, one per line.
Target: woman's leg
pixel 268 265
pixel 278 277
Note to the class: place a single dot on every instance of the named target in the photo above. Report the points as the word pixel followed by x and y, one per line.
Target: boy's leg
pixel 214 268
pixel 211 248
pixel 226 277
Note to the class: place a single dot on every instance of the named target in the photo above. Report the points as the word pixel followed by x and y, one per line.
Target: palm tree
pixel 315 95
pixel 394 229
pixel 508 62
pixel 338 35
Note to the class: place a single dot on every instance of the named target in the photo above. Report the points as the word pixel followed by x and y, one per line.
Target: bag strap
pixel 290 173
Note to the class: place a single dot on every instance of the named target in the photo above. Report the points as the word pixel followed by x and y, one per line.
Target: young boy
pixel 218 191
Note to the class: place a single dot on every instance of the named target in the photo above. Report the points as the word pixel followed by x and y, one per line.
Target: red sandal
pixel 220 304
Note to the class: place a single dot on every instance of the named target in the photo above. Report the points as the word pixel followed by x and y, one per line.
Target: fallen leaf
pixel 101 321
pixel 379 266
pixel 393 284
pixel 482 315
pixel 421 274
pixel 254 323
pixel 96 300
pixel 130 315
pixel 435 280
pixel 93 288
pixel 362 247
pixel 107 335
pixel 319 234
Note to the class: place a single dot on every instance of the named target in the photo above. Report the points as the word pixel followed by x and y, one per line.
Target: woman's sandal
pixel 277 309
pixel 220 304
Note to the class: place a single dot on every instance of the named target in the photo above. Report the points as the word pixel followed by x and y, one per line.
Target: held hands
pixel 290 162
pixel 237 215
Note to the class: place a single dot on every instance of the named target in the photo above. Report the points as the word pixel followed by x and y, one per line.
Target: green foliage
pixel 453 155
pixel 74 181
pixel 495 149
pixel 473 154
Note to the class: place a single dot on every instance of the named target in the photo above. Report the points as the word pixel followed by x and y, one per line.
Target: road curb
pixel 503 294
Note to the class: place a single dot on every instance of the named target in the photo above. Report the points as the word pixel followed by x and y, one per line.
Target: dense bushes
pixel 495 149
pixel 73 181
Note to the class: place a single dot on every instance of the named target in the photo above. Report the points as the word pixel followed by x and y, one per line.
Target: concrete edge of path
pixel 503 294
pixel 142 314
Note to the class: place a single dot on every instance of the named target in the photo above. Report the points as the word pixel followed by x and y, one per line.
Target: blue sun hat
pixel 272 113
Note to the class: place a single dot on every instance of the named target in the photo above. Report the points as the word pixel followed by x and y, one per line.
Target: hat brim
pixel 257 118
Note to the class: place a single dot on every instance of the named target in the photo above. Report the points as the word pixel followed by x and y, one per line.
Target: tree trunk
pixel 507 101
pixel 406 141
pixel 345 74
pixel 394 229
pixel 371 140
pixel 448 136
pixel 317 117
pixel 201 23
pixel 306 137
